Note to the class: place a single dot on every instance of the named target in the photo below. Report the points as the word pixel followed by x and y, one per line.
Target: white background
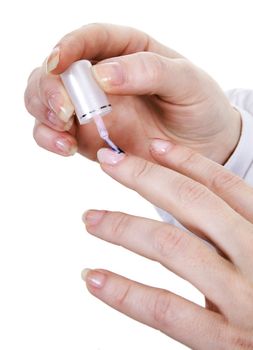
pixel 43 244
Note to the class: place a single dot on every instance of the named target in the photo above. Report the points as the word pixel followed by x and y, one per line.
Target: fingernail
pixel 56 122
pixel 84 273
pixel 53 59
pixel 94 278
pixel 63 109
pixel 109 157
pixel 160 146
pixel 52 117
pixel 65 147
pixel 69 124
pixel 93 217
pixel 109 74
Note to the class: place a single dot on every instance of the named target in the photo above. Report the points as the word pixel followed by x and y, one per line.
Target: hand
pixel 154 91
pixel 212 203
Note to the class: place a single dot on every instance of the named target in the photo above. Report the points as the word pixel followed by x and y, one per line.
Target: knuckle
pixel 224 180
pixel 170 241
pixel 188 159
pixel 245 288
pixel 152 67
pixel 162 312
pixel 48 86
pixel 43 86
pixel 35 132
pixel 96 26
pixel 32 90
pixel 121 296
pixel 142 169
pixel 191 192
pixel 74 40
pixel 33 73
pixel 219 332
pixel 187 66
pixel 240 341
pixel 241 287
pixel 68 38
pixel 189 71
pixel 119 227
pixel 32 104
pixel 92 25
pixel 28 101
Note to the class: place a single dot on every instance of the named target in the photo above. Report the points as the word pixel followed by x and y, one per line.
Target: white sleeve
pixel 241 161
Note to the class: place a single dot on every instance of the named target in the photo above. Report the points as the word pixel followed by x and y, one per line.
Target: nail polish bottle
pixel 89 100
pixel 86 95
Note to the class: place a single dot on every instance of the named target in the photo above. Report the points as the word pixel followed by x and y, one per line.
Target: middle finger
pixel 195 206
pixel 175 249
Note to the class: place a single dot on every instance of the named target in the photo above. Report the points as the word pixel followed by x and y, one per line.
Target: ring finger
pixel 47 101
pixel 184 254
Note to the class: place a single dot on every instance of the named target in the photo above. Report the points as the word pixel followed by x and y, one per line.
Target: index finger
pixel 193 204
pixel 99 41
pixel 228 186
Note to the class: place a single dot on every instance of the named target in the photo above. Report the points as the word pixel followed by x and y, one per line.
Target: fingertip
pixel 94 279
pixel 65 147
pixel 68 50
pixel 61 143
pixel 69 125
pixel 93 217
pixel 84 274
pixel 53 60
pixel 109 157
pixel 160 147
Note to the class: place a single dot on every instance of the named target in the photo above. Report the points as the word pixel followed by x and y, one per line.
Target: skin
pixel 154 91
pixel 157 93
pixel 215 207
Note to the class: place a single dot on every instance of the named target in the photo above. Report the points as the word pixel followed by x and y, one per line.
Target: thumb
pixel 146 73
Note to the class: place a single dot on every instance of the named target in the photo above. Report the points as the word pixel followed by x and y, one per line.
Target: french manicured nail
pixel 84 273
pixel 57 122
pixel 53 59
pixel 63 109
pixel 160 146
pixel 93 217
pixel 66 147
pixel 109 157
pixel 69 124
pixel 94 278
pixel 109 74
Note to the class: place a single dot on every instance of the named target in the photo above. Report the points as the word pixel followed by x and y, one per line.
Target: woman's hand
pixel 212 203
pixel 154 91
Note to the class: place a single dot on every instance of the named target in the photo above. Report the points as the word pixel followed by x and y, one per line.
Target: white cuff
pixel 242 159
